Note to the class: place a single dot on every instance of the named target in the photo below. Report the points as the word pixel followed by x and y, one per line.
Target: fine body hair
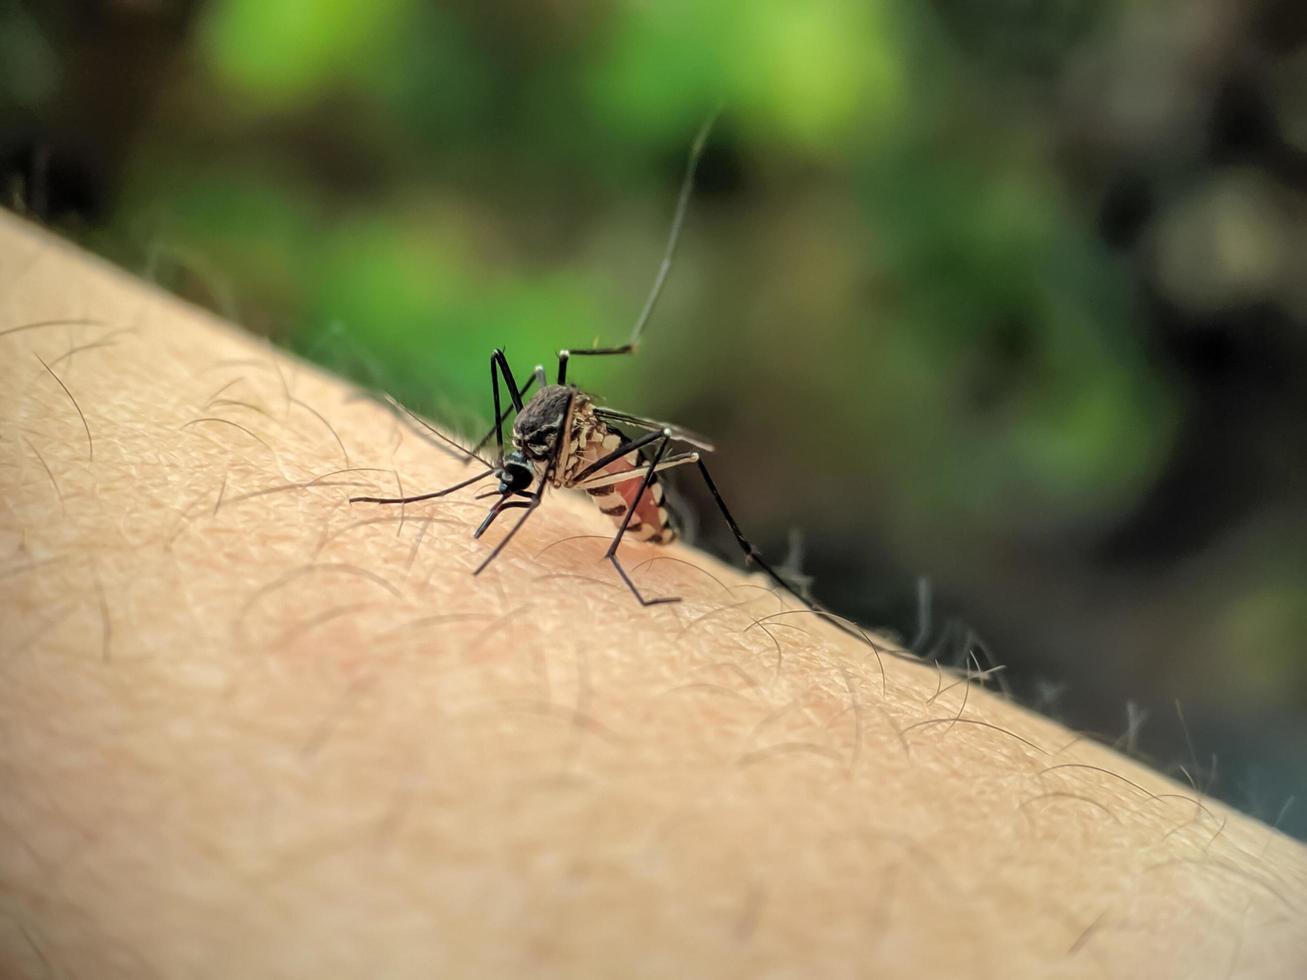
pixel 248 729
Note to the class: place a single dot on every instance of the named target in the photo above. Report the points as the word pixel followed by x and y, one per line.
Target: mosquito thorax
pixel 535 432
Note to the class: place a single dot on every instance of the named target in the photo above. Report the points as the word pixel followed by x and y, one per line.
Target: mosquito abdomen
pixel 651 521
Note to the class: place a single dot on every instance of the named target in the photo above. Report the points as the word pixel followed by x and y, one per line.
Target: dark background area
pixel 1009 295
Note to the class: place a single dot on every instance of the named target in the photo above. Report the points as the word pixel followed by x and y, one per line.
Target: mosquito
pixel 562 438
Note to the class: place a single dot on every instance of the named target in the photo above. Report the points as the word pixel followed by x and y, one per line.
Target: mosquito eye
pixel 541 440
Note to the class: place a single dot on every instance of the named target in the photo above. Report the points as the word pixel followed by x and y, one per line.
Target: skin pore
pixel 248 729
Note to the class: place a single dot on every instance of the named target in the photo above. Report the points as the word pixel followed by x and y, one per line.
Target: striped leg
pixel 611 554
pixel 603 491
pixel 611 479
pixel 591 478
pixel 752 554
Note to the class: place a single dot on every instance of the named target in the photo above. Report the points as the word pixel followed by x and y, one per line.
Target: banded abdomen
pixel 651 521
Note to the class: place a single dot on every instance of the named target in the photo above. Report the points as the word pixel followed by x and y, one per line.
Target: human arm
pixel 249 729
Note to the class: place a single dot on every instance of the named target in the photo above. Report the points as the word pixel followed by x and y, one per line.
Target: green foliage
pixel 1003 373
pixel 1024 347
pixel 421 317
pixel 813 74
pixel 29 70
pixel 285 52
pixel 895 308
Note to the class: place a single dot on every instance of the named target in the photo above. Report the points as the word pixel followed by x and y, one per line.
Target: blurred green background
pixel 1011 295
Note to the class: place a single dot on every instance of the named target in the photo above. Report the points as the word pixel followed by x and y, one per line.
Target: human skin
pixel 248 729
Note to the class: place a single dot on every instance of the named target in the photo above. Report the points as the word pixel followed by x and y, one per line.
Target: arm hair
pixel 249 729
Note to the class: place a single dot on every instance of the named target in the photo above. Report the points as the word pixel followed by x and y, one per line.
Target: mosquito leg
pixel 497 357
pixel 537 377
pixel 626 447
pixel 495 511
pixel 751 553
pixel 503 504
pixel 664 267
pixel 528 507
pixel 499 366
pixel 422 496
pixel 611 554
pixel 611 479
pixel 499 416
pixel 564 355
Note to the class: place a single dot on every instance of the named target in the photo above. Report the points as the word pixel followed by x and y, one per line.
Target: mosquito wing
pixel 615 417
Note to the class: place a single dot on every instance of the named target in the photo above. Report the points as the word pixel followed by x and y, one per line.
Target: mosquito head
pixel 516 474
pixel 535 433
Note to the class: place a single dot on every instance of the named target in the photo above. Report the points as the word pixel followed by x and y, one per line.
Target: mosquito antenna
pixel 674 237
pixel 464 453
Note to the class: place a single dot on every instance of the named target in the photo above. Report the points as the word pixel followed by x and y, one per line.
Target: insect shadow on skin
pixel 562 438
